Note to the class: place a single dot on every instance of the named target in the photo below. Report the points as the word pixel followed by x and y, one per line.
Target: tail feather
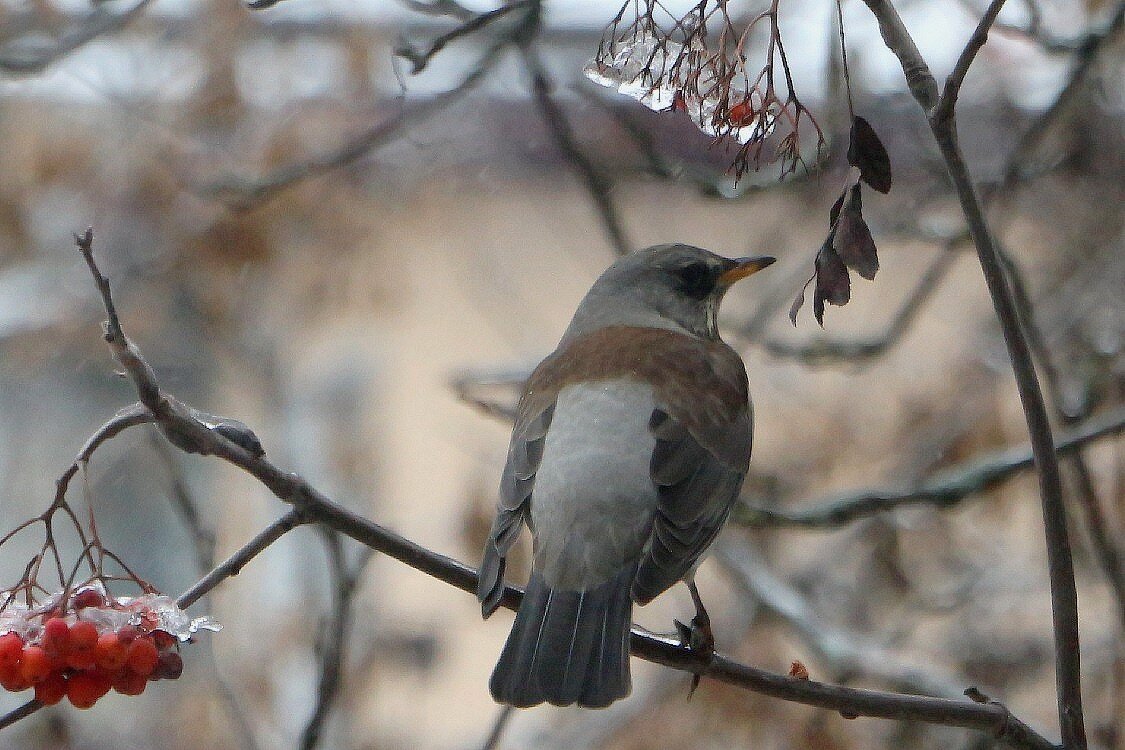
pixel 568 646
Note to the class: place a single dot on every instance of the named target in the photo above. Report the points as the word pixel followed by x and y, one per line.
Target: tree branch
pixel 36 59
pixel 845 654
pixel 419 59
pixel 1064 597
pixel 946 488
pixel 898 40
pixel 234 564
pixel 825 351
pixel 335 628
pixel 1087 56
pixel 944 110
pixel 242 193
pixel 596 183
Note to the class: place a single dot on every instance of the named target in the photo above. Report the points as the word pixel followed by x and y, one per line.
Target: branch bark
pixel 942 119
pixel 596 183
pixel 945 488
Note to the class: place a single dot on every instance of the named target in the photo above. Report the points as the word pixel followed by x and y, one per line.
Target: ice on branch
pixel 653 71
pixel 700 64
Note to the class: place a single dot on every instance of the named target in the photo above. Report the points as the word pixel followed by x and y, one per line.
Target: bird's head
pixel 666 286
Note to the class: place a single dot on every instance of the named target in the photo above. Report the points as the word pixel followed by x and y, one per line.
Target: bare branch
pixel 241 193
pixel 1087 55
pixel 419 59
pixel 234 564
pixel 825 351
pixel 333 645
pixel 203 539
pixel 991 718
pixel 203 543
pixel 898 40
pixel 946 488
pixel 1106 551
pixel 503 716
pixel 450 8
pixel 99 23
pixel 845 654
pixel 469 386
pixel 944 109
pixel 1064 596
pixel 596 183
pixel 17 714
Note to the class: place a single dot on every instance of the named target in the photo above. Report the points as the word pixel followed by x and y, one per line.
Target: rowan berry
pixel 83 640
pixel 129 683
pixel 51 690
pixel 142 656
pixel 110 653
pixel 35 665
pixel 83 689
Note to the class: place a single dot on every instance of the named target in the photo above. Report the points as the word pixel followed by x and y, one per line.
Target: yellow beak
pixel 744 267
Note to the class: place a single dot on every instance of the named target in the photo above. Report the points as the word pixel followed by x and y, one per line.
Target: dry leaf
pixel 867 152
pixel 853 241
pixel 832 282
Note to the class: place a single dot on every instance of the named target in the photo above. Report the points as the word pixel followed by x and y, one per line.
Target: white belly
pixel 592 506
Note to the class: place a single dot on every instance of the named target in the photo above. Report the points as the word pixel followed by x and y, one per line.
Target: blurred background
pixel 362 263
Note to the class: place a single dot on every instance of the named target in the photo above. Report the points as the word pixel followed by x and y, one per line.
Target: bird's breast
pixel 593 501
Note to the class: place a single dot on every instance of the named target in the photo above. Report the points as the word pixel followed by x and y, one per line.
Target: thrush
pixel 630 445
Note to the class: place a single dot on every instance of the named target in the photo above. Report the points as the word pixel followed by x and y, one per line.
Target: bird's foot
pixel 697 636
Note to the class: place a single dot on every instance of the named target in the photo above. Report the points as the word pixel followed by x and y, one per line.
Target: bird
pixel 630 445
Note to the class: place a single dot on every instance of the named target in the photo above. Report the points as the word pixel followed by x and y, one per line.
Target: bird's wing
pixel 524 453
pixel 698 463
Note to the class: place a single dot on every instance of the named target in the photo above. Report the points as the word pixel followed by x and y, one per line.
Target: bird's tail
pixel 568 646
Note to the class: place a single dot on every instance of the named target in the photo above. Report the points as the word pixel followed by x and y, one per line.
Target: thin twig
pixel 17 714
pixel 1106 551
pixel 202 538
pixel 826 351
pixel 419 59
pixel 242 194
pixel 944 489
pixel 597 185
pixel 234 564
pixel 100 22
pixel 1087 55
pixel 333 646
pixel 499 724
pixel 203 543
pixel 847 655
pixel 952 88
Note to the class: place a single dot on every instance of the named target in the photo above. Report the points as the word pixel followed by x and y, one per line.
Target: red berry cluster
pixel 79 656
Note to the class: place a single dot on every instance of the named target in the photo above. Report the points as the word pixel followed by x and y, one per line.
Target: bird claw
pixel 697 636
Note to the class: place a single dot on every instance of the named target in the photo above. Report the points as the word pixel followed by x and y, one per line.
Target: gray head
pixel 673 286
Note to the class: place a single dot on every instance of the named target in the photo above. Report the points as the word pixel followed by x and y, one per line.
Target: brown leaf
pixel 835 212
pixel 853 241
pixel 867 152
pixel 799 302
pixel 832 282
pixel 799 671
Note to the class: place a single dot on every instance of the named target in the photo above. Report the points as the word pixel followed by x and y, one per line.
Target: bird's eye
pixel 696 280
